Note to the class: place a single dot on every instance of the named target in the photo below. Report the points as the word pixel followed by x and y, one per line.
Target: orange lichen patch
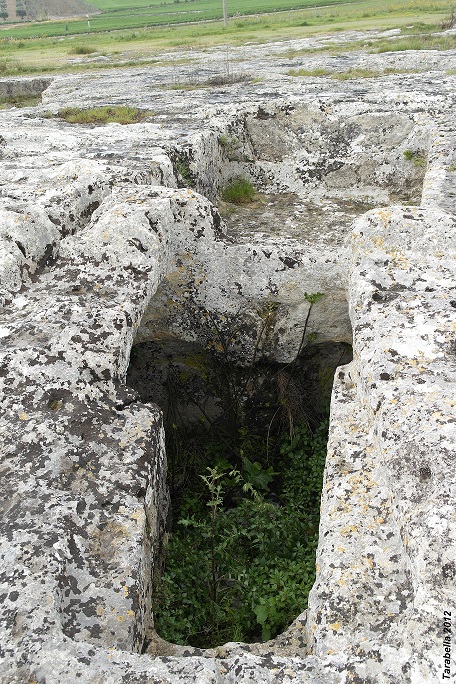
pixel 399 259
pixel 137 515
pixel 345 507
pixel 384 215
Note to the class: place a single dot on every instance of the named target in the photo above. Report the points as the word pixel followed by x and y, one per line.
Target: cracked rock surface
pixel 116 234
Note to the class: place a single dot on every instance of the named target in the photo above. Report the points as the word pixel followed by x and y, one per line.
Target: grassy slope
pixel 21 55
pixel 140 13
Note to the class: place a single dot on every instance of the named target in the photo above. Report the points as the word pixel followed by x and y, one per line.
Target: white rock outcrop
pixel 102 245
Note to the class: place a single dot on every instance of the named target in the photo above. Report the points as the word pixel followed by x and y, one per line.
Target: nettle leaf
pixel 254 474
pixel 261 613
pixel 313 297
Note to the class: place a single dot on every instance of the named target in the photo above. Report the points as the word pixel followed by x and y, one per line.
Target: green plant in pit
pixel 182 167
pixel 214 482
pixel 227 142
pixel 241 568
pixel 238 191
pixel 229 145
pixel 304 492
pixel 256 476
pixel 102 115
pixel 418 159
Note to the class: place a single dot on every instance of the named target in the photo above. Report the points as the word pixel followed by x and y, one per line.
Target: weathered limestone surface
pixel 388 479
pixel 101 245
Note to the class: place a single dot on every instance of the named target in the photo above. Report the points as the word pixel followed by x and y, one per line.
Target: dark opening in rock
pixel 246 448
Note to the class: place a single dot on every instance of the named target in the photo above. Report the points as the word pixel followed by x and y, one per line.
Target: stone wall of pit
pixel 13 87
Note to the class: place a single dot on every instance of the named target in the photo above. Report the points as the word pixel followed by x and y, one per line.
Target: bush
pixel 182 167
pixel 240 566
pixel 82 50
pixel 415 157
pixel 238 191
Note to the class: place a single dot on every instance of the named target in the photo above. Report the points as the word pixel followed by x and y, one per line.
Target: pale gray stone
pixel 101 245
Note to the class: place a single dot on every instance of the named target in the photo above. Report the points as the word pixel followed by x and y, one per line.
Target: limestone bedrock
pixel 114 234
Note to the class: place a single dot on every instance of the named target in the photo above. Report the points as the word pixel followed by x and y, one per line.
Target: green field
pixel 131 14
pixel 137 34
pixel 211 9
pixel 118 14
